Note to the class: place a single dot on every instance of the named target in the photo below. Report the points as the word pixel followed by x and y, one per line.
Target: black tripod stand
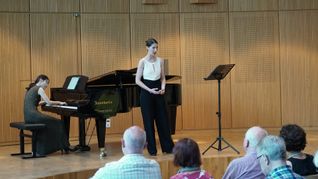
pixel 218 74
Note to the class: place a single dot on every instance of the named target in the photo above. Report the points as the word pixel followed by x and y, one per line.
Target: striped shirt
pixel 130 166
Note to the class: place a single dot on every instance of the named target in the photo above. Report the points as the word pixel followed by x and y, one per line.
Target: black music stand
pixel 218 74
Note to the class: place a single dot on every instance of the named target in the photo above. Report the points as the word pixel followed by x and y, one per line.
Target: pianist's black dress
pixel 53 137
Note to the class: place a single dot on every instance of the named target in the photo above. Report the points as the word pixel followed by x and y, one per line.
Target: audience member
pixel 316 159
pixel 133 164
pixel 187 156
pixel 247 166
pixel 295 140
pixel 271 153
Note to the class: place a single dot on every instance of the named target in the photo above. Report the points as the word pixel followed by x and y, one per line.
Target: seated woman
pixel 53 137
pixel 295 140
pixel 187 156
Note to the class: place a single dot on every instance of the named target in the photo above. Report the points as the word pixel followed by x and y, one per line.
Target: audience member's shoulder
pixel 112 164
pixel 239 160
pixel 153 162
pixel 309 156
pixel 316 159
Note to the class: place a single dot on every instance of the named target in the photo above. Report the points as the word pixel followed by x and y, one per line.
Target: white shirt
pixel 152 70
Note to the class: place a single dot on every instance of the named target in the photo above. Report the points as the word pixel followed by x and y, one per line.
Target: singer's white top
pixel 152 70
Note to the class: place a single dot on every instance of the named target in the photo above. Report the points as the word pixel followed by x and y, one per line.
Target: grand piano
pixel 102 97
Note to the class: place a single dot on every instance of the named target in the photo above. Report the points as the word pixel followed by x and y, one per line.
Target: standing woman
pixel 53 137
pixel 152 102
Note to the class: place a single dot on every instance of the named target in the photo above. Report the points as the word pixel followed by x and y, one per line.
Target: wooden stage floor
pixel 84 164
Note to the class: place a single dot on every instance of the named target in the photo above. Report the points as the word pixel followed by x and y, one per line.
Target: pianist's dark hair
pixel 40 77
pixel 151 41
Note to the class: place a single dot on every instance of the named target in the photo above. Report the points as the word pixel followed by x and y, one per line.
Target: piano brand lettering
pixel 103 102
pixel 105 110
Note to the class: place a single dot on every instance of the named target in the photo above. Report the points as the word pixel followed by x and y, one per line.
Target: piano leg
pixel 101 131
pixel 66 120
pixel 82 136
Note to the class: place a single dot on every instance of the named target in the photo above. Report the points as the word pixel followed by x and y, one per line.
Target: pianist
pixel 53 138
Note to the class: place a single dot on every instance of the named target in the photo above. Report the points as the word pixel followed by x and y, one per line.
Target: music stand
pixel 218 74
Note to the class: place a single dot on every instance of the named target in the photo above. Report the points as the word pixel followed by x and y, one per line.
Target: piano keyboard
pixel 65 107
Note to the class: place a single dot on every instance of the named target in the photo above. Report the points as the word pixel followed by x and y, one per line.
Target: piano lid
pixel 117 77
pixel 120 77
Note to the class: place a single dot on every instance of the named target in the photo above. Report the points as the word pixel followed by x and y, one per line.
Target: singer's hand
pixel 162 91
pixel 154 91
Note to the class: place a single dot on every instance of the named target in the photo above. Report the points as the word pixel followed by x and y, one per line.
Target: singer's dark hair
pixel 151 41
pixel 40 77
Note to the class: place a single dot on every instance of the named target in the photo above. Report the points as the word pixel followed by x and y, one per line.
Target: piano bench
pixel 34 128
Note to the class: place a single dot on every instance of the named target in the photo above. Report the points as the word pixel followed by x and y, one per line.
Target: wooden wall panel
pixel 110 6
pixel 120 123
pixel 253 5
pixel 166 6
pixel 298 4
pixel 14 5
pixel 165 29
pixel 54 5
pixel 54 48
pixel 220 6
pixel 299 54
pixel 14 70
pixel 204 45
pixel 137 117
pixel 255 83
pixel 179 120
pixel 106 47
pixel 105 43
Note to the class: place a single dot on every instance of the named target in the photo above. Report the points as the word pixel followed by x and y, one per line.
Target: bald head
pixel 254 135
pixel 134 140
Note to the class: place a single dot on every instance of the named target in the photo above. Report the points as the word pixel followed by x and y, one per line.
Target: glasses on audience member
pixel 258 157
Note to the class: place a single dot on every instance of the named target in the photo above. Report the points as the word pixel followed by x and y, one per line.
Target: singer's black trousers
pixel 154 109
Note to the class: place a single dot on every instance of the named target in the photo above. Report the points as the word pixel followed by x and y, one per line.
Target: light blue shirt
pixel 130 166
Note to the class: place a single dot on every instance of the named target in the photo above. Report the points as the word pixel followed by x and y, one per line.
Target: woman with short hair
pixel 295 140
pixel 187 156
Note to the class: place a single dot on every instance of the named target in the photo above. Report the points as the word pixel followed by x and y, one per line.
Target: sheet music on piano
pixel 64 106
